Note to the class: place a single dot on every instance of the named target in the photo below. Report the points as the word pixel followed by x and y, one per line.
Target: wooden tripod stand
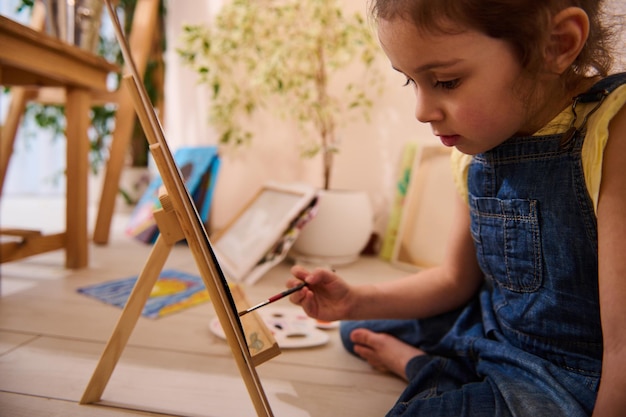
pixel 179 219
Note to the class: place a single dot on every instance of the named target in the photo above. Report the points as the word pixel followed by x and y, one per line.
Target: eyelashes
pixel 445 85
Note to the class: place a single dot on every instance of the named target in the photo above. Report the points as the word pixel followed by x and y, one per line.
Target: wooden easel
pixel 263 348
pixel 179 219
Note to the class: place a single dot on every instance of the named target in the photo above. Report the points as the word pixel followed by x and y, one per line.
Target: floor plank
pixel 190 384
pixel 51 338
pixel 18 405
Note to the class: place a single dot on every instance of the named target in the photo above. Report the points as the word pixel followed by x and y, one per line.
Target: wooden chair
pixel 143 30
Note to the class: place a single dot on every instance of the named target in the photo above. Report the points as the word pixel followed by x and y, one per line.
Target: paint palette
pixel 289 325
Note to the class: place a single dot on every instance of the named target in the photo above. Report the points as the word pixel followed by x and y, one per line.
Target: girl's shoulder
pixel 595 140
pixel 597 137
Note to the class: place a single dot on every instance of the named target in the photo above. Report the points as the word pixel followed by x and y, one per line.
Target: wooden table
pixel 32 58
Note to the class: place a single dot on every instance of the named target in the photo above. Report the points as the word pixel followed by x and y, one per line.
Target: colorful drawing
pixel 199 167
pixel 174 291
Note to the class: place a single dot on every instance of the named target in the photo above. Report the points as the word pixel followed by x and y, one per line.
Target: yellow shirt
pixel 593 147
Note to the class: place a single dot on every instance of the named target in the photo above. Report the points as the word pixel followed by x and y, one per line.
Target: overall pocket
pixel 508 241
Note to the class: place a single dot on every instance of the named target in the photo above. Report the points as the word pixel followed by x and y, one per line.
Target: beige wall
pixel 368 155
pixel 369 152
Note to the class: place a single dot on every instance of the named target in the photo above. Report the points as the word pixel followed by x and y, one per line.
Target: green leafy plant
pixel 307 61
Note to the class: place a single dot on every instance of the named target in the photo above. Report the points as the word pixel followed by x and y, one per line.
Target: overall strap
pixel 595 94
pixel 602 88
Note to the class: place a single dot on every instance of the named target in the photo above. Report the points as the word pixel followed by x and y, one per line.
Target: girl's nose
pixel 426 108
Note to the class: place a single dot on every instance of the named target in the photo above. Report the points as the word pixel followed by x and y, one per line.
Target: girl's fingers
pixel 299 272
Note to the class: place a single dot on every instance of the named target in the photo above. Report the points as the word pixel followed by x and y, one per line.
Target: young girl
pixel 525 316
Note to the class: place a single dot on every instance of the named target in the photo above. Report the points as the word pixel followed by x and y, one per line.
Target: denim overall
pixel 530 343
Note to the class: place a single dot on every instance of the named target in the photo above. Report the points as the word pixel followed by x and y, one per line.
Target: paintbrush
pixel 274 298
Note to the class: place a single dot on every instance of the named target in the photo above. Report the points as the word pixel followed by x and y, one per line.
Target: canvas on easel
pixel 177 219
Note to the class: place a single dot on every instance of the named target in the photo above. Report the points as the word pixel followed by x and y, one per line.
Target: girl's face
pixel 467 85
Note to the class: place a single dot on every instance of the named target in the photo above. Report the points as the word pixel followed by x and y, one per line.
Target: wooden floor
pixel 51 338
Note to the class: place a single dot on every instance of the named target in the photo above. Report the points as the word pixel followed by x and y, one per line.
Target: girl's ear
pixel 570 29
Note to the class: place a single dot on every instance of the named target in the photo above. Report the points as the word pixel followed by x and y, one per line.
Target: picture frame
pixel 427 211
pixel 247 245
pixel 199 166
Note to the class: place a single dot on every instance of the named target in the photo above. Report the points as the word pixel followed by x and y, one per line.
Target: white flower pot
pixel 340 230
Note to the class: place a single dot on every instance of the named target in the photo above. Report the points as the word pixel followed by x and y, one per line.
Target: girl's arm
pixel 431 291
pixel 427 293
pixel 611 400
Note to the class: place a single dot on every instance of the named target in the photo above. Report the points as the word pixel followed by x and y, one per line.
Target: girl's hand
pixel 326 297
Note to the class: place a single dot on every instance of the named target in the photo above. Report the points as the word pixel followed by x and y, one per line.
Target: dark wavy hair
pixel 524 24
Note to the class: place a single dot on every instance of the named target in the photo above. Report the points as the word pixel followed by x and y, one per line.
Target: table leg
pixel 77 172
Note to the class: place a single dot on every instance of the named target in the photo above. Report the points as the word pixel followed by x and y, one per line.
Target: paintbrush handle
pixel 287 292
pixel 274 298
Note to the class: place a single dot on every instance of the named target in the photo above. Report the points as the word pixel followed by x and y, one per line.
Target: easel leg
pixel 127 321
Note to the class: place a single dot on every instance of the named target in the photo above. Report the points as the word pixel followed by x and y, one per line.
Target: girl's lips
pixel 449 140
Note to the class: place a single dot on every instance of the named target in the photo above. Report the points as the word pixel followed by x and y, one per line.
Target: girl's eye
pixel 408 82
pixel 448 85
